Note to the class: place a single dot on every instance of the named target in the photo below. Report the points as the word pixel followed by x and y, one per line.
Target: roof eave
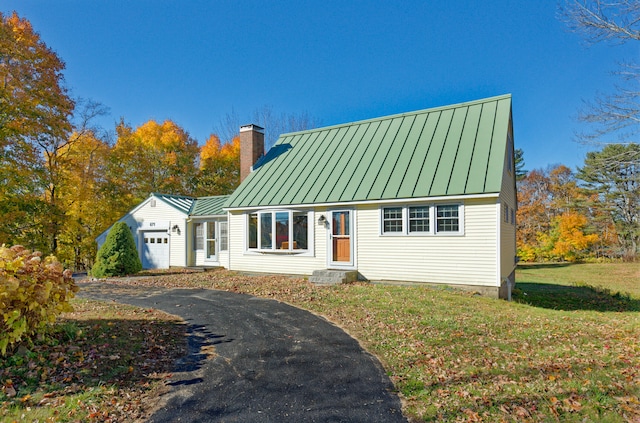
pixel 365 202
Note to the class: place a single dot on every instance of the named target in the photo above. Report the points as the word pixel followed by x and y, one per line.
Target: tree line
pixel 592 213
pixel 62 180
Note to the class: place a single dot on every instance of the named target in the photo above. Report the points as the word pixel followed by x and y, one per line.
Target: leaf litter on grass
pixel 454 356
pixel 105 362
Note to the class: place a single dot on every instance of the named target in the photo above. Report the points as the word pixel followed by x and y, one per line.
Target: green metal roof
pixel 179 202
pixel 452 150
pixel 209 206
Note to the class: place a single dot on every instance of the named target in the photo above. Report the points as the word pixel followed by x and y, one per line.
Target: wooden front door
pixel 341 242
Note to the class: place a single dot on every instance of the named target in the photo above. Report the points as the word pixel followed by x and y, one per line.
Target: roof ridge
pixel 404 114
pixel 159 194
pixel 211 196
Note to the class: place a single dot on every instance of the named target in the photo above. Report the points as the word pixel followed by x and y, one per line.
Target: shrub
pixel 32 293
pixel 118 255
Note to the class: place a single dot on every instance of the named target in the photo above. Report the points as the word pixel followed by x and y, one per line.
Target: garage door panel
pixel 155 250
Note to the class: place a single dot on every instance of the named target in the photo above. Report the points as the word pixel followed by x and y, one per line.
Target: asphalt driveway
pixel 271 363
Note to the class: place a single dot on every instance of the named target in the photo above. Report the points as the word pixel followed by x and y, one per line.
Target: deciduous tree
pixel 611 118
pixel 155 157
pixel 219 171
pixel 35 110
pixel 84 198
pixel 552 219
pixel 274 124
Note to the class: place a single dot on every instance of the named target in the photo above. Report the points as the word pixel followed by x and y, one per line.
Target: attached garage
pixel 159 228
pixel 155 251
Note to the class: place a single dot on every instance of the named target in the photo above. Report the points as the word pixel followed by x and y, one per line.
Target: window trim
pixel 309 251
pixel 196 225
pixel 205 233
pixel 224 235
pixel 433 220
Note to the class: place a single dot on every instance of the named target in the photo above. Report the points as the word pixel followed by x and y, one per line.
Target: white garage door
pixel 155 250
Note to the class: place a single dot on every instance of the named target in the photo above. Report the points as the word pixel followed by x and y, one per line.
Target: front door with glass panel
pixel 341 239
pixel 211 250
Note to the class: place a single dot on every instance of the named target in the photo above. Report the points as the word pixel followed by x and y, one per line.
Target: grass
pixel 565 286
pixel 456 356
pixel 103 362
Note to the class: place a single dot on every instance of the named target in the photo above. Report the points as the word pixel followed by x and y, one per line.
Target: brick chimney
pixel 251 148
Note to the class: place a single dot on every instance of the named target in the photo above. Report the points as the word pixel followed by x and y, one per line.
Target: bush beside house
pixel 33 291
pixel 118 256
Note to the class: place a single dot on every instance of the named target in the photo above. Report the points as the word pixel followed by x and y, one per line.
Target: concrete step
pixel 333 277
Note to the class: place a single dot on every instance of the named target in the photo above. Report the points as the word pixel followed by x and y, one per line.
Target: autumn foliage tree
pixel 552 224
pixel 35 112
pixel 155 157
pixel 567 240
pixel 219 171
pixel 84 198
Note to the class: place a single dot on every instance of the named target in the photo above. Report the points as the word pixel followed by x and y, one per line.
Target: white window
pixel 224 236
pixel 419 219
pixel 198 236
pixel 513 217
pixel 416 220
pixel 506 213
pixel 392 220
pixel 448 219
pixel 282 230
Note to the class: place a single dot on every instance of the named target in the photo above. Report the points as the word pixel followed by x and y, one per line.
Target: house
pixel 178 231
pixel 428 196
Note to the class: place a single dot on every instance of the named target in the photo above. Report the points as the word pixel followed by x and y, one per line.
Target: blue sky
pixel 339 61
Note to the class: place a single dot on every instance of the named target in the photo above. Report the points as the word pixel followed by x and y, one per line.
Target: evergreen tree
pixel 118 256
pixel 614 174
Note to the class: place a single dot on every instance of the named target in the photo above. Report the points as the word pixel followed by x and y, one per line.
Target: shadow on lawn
pixel 568 298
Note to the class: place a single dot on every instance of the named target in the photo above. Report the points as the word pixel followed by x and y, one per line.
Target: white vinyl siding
pixel 240 258
pixel 164 216
pixel 507 230
pixel 469 259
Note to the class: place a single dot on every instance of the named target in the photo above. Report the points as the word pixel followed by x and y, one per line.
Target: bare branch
pixel 598 20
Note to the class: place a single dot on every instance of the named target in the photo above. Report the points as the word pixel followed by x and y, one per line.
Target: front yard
pixel 566 349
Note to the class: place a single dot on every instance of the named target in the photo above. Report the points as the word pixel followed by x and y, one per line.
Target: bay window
pixel 280 231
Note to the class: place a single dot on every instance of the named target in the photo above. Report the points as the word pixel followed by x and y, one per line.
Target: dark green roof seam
pixel 300 162
pixel 444 144
pixel 379 122
pixel 315 198
pixel 415 147
pixel 455 156
pixel 326 161
pixel 324 140
pixel 433 134
pixel 292 153
pixel 389 152
pixel 373 157
pixel 473 150
pixel 493 128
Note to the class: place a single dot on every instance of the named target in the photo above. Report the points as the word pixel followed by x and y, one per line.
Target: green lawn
pixel 566 349
pixel 562 351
